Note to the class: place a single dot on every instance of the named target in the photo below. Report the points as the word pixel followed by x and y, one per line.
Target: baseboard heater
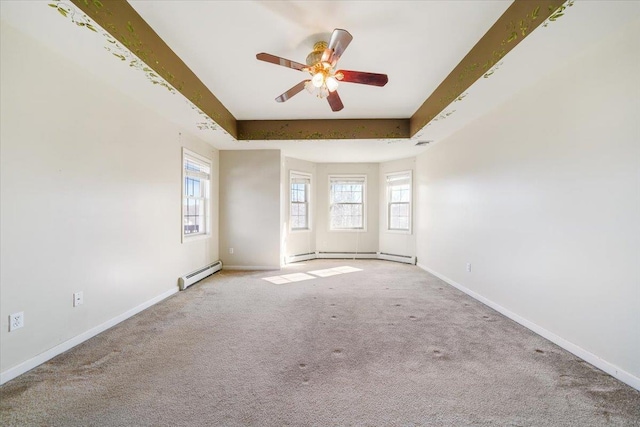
pixel 300 257
pixel 350 255
pixel 195 276
pixel 347 255
pixel 397 258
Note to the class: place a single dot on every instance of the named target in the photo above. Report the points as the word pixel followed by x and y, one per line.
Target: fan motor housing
pixel 314 57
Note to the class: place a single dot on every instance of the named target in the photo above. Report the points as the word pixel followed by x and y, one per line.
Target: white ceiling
pixel 417 43
pixel 413 42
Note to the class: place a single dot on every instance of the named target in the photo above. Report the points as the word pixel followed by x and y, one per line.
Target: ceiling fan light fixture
pixel 309 86
pixel 320 64
pixel 332 83
pixel 318 79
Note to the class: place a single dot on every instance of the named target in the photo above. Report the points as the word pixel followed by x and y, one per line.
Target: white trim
pixel 196 156
pixel 27 365
pixel 304 175
pixel 405 232
pixel 587 356
pixel 250 267
pixel 185 238
pixel 388 203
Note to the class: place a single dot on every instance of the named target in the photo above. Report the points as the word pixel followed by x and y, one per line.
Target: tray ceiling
pixel 418 44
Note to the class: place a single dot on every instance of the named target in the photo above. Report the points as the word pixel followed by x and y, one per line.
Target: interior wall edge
pixel 598 362
pixel 49 354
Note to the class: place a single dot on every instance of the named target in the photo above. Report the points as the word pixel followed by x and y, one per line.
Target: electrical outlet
pixel 78 299
pixel 16 321
pixel 231 251
pixel 469 267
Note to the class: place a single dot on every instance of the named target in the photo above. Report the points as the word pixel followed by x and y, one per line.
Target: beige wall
pixel 542 197
pixel 299 242
pixel 91 201
pixel 250 205
pixel 349 241
pixel 392 242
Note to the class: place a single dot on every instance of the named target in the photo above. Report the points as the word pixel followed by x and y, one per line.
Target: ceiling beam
pixel 516 23
pixel 323 129
pixel 122 21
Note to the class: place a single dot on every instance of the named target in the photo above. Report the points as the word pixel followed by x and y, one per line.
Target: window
pixel 347 198
pixel 195 194
pixel 399 201
pixel 299 209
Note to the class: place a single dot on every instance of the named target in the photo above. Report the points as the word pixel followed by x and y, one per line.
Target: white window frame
pixel 388 179
pixel 197 158
pixel 362 178
pixel 306 176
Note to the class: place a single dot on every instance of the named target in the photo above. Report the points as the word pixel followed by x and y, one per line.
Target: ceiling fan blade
pixel 373 79
pixel 293 91
pixel 338 43
pixel 334 101
pixel 266 57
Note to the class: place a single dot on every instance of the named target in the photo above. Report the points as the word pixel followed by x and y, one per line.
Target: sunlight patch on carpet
pixel 325 273
pixel 346 269
pixel 288 278
pixel 297 277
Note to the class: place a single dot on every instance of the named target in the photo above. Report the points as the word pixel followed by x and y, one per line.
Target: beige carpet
pixel 386 346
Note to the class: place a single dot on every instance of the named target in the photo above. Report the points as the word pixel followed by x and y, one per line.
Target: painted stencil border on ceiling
pixel 162 67
pixel 121 52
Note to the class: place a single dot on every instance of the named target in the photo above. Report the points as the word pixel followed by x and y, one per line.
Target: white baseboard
pixel 251 267
pixel 585 355
pixel 27 365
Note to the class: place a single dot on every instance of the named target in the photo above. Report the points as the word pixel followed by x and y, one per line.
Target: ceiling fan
pixel 324 78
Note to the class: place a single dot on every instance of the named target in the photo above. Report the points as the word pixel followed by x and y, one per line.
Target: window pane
pixel 347 203
pixel 346 216
pixel 347 193
pixel 192 187
pixel 196 194
pixel 399 201
pixel 400 209
pixel 298 194
pixel 194 216
pixel 299 215
pixel 399 193
pixel 399 216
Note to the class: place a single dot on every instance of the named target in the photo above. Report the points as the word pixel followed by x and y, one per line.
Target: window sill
pixel 192 238
pixel 348 230
pixel 407 232
pixel 306 230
